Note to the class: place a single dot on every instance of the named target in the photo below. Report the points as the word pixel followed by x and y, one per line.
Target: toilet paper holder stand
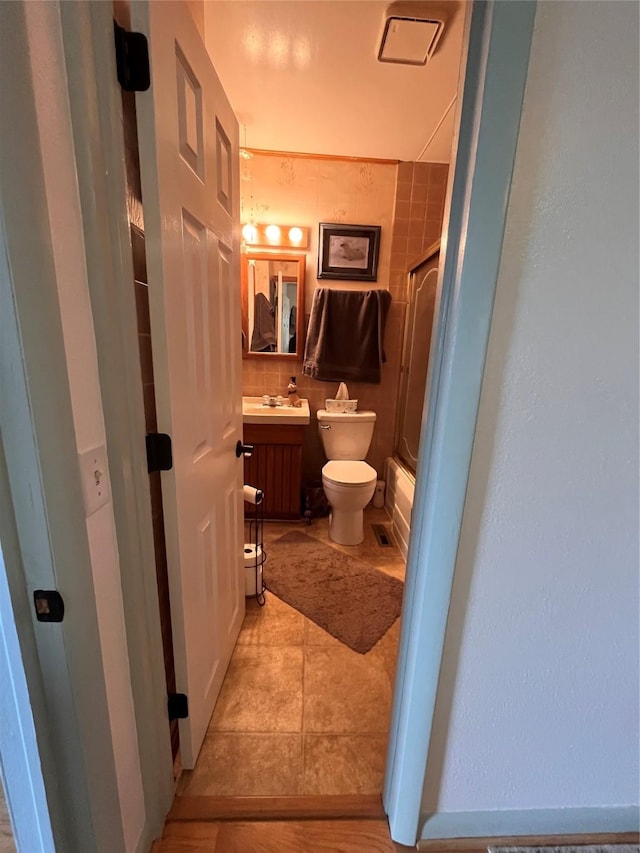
pixel 254 553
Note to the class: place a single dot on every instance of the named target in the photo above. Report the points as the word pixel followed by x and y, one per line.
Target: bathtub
pixel 398 501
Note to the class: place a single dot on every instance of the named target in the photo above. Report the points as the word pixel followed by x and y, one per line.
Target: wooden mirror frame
pixel 300 259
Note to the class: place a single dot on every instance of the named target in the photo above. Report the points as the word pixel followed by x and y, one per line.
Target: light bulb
pixel 273 233
pixel 295 235
pixel 250 233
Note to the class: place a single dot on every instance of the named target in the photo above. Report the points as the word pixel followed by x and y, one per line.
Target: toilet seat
pixel 349 473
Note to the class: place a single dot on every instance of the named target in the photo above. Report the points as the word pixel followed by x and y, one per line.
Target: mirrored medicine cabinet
pixel 272 305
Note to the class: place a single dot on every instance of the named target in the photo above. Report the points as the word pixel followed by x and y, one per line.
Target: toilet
pixel 348 481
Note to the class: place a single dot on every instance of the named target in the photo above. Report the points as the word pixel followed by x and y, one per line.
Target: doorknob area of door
pixel 243 450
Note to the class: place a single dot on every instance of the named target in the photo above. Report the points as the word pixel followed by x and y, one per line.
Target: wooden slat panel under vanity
pixel 275 467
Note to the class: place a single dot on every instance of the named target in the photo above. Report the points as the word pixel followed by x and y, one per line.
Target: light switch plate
pixel 95 478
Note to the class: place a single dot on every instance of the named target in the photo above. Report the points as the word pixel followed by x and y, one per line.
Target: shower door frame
pixel 434 249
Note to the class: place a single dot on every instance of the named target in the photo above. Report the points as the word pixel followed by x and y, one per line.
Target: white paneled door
pixel 188 140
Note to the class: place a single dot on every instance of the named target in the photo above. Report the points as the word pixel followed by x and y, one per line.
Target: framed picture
pixel 348 251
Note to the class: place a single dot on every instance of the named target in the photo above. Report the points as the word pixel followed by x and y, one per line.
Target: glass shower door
pixel 415 357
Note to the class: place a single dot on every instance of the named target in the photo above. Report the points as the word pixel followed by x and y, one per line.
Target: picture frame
pixel 348 252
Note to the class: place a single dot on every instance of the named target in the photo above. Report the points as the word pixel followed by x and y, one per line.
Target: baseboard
pixel 276 808
pixel 531 823
pixel 480 845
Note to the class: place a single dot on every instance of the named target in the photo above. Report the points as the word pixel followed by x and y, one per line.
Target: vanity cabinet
pixel 275 467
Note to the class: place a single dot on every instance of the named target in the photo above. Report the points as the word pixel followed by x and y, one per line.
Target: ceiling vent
pixel 410 34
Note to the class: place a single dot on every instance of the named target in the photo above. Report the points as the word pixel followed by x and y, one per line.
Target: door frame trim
pixel 27 764
pixel 96 118
pixel 46 537
pixel 493 77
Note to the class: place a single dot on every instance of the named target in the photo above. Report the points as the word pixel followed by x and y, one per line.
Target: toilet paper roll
pixel 251 495
pixel 253 560
pixel 253 555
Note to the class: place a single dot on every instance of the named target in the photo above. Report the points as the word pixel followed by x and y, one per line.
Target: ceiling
pixel 302 75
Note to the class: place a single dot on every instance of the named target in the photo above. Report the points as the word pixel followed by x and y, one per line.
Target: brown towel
pixel 263 338
pixel 346 334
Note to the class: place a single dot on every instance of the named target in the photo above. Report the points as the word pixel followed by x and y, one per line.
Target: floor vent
pixel 383 535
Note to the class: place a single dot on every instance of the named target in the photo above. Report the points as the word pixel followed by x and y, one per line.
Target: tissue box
pixel 341 405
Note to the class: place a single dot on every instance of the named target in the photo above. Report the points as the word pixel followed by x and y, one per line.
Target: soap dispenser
pixel 292 390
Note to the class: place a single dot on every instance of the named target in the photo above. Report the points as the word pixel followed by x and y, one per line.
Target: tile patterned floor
pixel 299 712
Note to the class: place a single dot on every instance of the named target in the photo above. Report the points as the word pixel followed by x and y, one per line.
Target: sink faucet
pixel 272 401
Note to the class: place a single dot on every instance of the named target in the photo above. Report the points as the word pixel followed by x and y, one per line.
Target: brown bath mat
pixel 354 602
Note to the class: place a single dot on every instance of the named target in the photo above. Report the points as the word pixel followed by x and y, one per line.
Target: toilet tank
pixel 346 435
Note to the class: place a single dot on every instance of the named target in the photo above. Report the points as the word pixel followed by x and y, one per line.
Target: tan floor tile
pixel 344 691
pixel 247 765
pixel 344 764
pixel 254 743
pixel 314 635
pixel 387 649
pixel 275 624
pixel 262 691
pixel 396 568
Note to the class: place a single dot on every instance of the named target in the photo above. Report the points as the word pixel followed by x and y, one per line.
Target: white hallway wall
pixel 538 697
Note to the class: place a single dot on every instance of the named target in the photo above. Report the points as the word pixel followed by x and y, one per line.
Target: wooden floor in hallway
pixel 7 844
pixel 302 836
pixel 300 713
pixel 357 836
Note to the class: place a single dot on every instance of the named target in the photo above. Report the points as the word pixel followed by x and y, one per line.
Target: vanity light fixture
pixel 250 233
pixel 275 236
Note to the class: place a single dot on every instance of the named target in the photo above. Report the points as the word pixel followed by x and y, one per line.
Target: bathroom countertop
pixel 254 411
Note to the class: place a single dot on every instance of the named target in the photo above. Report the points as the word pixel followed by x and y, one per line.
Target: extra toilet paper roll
pixel 251 495
pixel 253 560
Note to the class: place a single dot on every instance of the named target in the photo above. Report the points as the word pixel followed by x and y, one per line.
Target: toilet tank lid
pixel 345 417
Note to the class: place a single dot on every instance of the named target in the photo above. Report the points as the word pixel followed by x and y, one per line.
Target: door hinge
pixel 132 60
pixel 178 706
pixel 159 454
pixel 49 605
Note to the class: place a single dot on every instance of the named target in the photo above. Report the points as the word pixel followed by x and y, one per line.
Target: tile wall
pixel 407 200
pixel 417 225
pixel 417 222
